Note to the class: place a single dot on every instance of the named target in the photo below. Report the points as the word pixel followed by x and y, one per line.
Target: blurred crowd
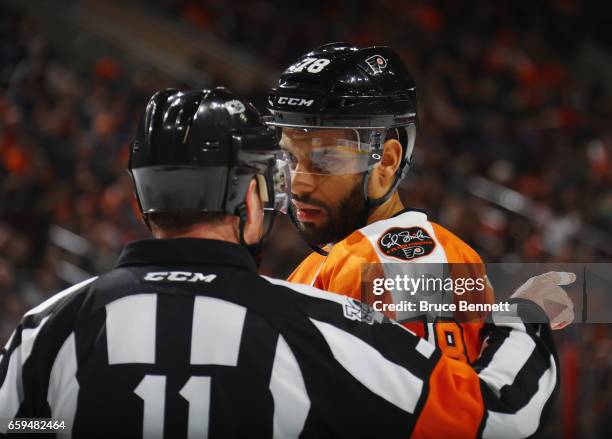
pixel 503 94
pixel 63 140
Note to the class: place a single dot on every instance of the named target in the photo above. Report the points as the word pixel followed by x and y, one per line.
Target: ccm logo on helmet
pixel 179 276
pixel 295 101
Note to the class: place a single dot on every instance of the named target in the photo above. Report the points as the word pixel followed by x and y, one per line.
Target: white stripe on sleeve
pixel 508 361
pixel 291 401
pixel 526 421
pixel 383 377
pixel 11 392
pixel 63 385
pixel 54 299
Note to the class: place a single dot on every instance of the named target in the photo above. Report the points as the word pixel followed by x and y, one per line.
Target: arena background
pixel 514 151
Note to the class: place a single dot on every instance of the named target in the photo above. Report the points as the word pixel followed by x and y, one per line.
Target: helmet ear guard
pixel 262 187
pixel 409 134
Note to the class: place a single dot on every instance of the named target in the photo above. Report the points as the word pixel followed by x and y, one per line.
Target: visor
pixel 281 179
pixel 331 151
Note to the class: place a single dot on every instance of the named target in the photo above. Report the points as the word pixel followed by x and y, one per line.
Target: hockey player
pixel 348 120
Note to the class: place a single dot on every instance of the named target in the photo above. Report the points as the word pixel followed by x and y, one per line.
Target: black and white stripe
pixel 18 350
pixel 519 374
pixel 244 356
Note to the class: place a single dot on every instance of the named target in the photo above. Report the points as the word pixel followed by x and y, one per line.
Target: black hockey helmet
pixel 197 151
pixel 368 91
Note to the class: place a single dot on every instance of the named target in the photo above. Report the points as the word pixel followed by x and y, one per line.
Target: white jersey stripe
pixel 54 299
pixel 291 401
pixel 10 340
pixel 63 386
pixel 308 290
pixel 11 392
pixel 508 361
pixel 384 378
pixel 212 317
pixel 130 329
pixel 526 421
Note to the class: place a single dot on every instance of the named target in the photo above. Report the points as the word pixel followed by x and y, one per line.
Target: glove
pixel 545 290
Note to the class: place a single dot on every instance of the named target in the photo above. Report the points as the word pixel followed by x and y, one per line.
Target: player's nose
pixel 302 182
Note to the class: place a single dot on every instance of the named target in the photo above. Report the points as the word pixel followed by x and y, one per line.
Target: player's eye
pixel 292 159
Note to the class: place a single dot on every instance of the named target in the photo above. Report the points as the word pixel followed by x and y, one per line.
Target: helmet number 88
pixel 312 65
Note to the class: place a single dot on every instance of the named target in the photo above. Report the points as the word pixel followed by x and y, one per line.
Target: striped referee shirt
pixel 183 339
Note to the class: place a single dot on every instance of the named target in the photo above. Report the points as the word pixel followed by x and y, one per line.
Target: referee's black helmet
pixel 197 151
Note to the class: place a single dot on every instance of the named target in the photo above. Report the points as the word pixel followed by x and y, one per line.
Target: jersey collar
pixel 409 209
pixel 185 251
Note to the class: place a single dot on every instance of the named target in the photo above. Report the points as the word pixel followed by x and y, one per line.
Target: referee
pixel 183 339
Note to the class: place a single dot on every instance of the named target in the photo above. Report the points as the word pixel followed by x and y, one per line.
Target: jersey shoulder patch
pixel 406 237
pixel 406 243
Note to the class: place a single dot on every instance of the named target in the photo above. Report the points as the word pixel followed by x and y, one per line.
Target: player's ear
pixel 254 210
pixel 383 174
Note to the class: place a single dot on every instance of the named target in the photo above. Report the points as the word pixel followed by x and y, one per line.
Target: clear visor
pixel 281 179
pixel 331 151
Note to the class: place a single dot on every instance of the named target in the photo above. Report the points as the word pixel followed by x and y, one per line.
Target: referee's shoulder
pixel 113 280
pixel 306 292
pixel 58 300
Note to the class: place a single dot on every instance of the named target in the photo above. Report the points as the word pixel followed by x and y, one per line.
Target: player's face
pixel 326 183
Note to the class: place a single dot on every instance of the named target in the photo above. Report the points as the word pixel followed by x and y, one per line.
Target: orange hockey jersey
pixel 408 237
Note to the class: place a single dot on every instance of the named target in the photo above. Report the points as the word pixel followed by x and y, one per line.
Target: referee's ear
pixel 253 230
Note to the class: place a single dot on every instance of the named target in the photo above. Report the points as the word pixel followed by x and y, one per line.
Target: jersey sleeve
pixel 18 374
pixel 28 361
pixel 505 393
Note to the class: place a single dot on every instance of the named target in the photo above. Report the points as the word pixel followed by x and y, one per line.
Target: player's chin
pixel 313 232
pixel 310 228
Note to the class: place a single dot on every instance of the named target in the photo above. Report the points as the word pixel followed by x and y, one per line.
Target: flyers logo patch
pixel 406 243
pixel 377 63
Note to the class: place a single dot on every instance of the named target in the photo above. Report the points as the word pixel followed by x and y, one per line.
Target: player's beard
pixel 342 220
